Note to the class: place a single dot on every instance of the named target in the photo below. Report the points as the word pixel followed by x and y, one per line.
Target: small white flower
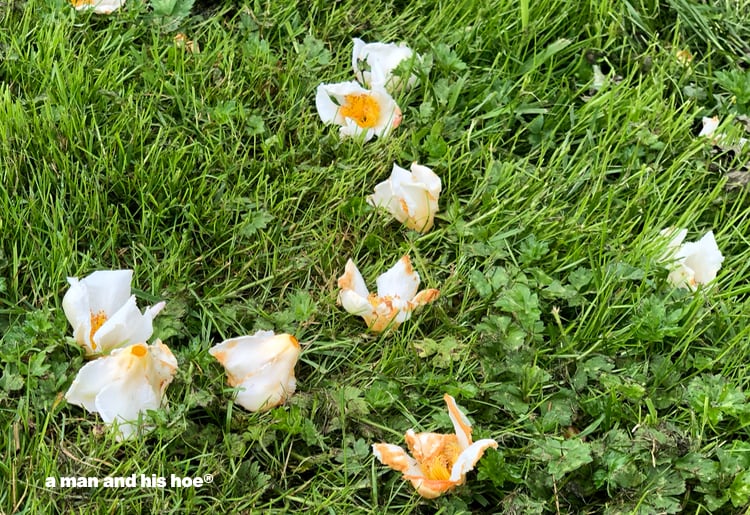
pixel 438 462
pixel 124 384
pixel 720 140
pixel 692 263
pixel 374 63
pixel 103 313
pixel 360 112
pixel 709 126
pixel 397 295
pixel 99 6
pixel 411 197
pixel 262 365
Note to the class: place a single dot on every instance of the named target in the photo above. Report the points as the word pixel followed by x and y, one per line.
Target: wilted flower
pixel 360 112
pixel 182 41
pixel 262 365
pixel 684 57
pixel 374 63
pixel 720 140
pixel 692 263
pixel 99 6
pixel 103 313
pixel 440 462
pixel 397 295
pixel 411 197
pixel 124 384
pixel 709 126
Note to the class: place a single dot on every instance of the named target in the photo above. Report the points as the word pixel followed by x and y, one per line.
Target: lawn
pixel 183 142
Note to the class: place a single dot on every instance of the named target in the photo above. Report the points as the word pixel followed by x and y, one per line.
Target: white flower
pixel 103 313
pixel 411 197
pixel 397 295
pixel 262 365
pixel 720 140
pixel 360 112
pixel 99 6
pixel 709 126
pixel 381 59
pixel 692 263
pixel 125 384
pixel 440 462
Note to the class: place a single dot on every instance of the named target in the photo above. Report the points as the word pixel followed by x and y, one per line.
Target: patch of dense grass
pixel 212 177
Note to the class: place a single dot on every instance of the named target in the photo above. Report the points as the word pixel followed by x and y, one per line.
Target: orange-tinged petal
pixel 461 424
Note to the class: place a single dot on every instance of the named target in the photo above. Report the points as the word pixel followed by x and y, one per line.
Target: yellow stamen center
pixel 97 320
pixel 362 108
pixel 81 3
pixel 439 465
pixel 138 350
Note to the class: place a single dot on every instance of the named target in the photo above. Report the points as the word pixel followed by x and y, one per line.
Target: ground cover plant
pixel 182 141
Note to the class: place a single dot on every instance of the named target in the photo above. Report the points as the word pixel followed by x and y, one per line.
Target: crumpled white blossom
pixel 440 462
pixel 360 112
pixel 99 6
pixel 720 140
pixel 411 197
pixel 691 263
pixel 397 295
pixel 104 314
pixel 124 384
pixel 262 365
pixel 374 63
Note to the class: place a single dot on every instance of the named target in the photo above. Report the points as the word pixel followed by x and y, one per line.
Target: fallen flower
pixel 692 263
pixel 99 6
pixel 103 313
pixel 262 365
pixel 397 295
pixel 709 131
pixel 124 384
pixel 360 112
pixel 411 197
pixel 440 462
pixel 374 63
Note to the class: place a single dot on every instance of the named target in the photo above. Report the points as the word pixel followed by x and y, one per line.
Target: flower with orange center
pixel 104 314
pixel 99 6
pixel 360 112
pixel 262 366
pixel 438 462
pixel 124 384
pixel 397 295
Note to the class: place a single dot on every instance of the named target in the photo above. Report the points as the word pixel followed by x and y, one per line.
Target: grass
pixel 211 176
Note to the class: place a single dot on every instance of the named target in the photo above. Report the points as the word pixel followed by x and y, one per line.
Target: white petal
pixel 382 59
pixel 125 401
pixel 268 388
pixel 108 290
pixel 401 281
pixel 90 380
pixel 704 258
pixel 424 175
pixel 385 197
pixel 125 327
pixel 469 457
pixel 327 109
